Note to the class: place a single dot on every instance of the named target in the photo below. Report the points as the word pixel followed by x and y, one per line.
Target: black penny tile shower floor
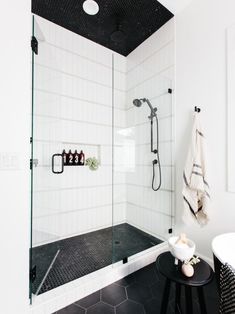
pixel 83 254
pixel 138 293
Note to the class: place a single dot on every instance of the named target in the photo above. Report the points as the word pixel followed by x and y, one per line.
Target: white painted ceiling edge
pixel 175 6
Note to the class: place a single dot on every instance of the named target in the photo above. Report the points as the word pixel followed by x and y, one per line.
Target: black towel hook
pixel 196 109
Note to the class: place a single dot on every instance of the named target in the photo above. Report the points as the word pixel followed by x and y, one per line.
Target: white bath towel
pixel 196 189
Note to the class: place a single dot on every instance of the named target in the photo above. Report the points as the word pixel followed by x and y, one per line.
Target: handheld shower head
pixel 137 102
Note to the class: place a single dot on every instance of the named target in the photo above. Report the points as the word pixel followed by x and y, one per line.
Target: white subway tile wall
pixel 150 73
pixel 73 110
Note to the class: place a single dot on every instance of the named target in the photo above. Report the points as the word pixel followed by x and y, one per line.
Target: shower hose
pixel 156 162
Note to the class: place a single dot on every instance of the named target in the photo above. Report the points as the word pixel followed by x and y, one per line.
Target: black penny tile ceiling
pixel 120 25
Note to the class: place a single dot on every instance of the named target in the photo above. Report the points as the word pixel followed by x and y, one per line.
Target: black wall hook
pixel 196 109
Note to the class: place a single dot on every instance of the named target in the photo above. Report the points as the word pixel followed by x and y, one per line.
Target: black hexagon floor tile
pixel 113 294
pixel 71 309
pixel 126 281
pixel 135 294
pixel 146 276
pixel 130 307
pixel 157 289
pixel 101 308
pixel 153 306
pixel 89 300
pixel 139 293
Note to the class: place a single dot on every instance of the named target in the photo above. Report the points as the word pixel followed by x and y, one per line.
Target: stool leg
pixel 165 298
pixel 177 298
pixel 189 301
pixel 202 300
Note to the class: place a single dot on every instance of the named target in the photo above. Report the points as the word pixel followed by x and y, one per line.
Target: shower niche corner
pixel 83 220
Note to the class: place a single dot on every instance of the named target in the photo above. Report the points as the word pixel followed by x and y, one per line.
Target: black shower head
pixel 118 35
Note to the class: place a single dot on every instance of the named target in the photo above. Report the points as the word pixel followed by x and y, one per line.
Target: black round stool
pixel 203 274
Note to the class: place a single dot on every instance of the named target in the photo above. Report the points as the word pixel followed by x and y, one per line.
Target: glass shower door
pixel 72 112
pixel 46 166
pixel 149 213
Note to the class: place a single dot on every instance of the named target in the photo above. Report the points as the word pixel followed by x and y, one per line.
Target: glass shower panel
pixel 72 112
pixel 143 217
pixel 46 127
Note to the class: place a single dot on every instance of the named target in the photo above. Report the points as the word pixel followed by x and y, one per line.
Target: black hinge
pixel 169 91
pixel 125 260
pixel 34 45
pixel 33 273
pixel 31 140
pixel 31 164
pixel 170 230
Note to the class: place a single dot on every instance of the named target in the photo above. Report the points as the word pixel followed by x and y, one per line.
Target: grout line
pixel 149 209
pixel 148 187
pixel 75 234
pixel 125 293
pixel 161 141
pixel 105 145
pixel 148 122
pixel 79 121
pixel 79 187
pixel 79 306
pixel 76 98
pixel 112 151
pixel 151 55
pixel 102 301
pixel 115 165
pixel 75 143
pixel 151 77
pixel 79 209
pixel 83 57
pixel 152 98
pixel 80 77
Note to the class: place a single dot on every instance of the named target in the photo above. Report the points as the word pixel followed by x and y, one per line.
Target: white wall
pixel 73 110
pixel 175 6
pixel 150 72
pixel 14 155
pixel 201 80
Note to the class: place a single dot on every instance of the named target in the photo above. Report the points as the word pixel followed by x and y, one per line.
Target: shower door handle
pixel 57 164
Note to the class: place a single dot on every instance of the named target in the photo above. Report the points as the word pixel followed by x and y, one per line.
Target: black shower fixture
pixel 139 19
pixel 156 162
pixel 118 35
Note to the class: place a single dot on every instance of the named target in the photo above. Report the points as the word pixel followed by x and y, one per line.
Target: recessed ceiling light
pixel 90 7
